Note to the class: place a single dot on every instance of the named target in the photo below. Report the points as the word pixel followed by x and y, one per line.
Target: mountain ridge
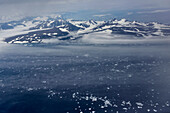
pixel 40 28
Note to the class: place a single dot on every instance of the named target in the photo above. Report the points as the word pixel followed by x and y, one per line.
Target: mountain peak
pixel 92 22
pixel 41 28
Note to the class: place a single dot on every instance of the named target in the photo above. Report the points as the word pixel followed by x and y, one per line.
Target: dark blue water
pixel 77 78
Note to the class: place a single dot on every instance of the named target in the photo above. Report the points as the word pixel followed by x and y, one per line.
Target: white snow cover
pixel 99 34
pixel 64 30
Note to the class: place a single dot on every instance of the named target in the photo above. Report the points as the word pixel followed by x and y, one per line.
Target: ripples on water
pixel 85 78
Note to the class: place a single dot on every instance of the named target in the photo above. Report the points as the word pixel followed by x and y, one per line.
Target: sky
pixel 17 8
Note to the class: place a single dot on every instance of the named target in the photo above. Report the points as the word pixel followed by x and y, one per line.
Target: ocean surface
pixel 116 77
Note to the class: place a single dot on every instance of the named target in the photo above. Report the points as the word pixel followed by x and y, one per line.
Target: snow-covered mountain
pixel 39 28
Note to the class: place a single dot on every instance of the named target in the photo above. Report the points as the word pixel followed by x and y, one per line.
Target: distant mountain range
pixel 40 28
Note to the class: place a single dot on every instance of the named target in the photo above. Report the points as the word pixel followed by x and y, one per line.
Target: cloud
pixel 154 11
pixel 42 7
pixel 3 2
pixel 102 15
pixel 129 13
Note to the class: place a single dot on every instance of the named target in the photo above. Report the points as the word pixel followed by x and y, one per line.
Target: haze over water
pixel 121 76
